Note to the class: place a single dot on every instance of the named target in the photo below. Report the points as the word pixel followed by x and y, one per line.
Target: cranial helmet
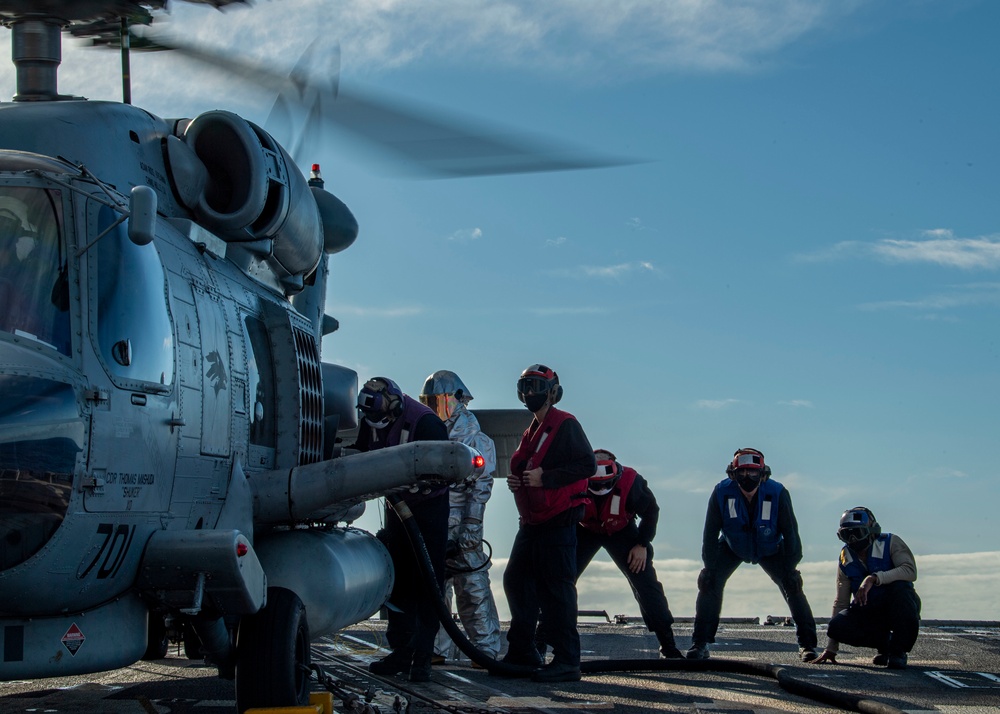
pixel 380 401
pixel 607 474
pixel 748 468
pixel 538 380
pixel 13 217
pixel 443 391
pixel 858 527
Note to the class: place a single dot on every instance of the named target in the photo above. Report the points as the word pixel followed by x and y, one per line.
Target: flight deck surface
pixel 954 668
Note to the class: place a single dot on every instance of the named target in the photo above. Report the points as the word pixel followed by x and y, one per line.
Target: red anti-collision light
pixel 478 461
pixel 241 549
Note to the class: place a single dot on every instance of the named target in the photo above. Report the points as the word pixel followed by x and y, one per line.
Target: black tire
pixel 272 654
pixel 192 643
pixel 157 641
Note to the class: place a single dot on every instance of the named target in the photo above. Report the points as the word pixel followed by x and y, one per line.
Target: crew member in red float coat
pixel 548 476
pixel 618 494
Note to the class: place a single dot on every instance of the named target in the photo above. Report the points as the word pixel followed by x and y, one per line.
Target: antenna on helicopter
pixel 126 65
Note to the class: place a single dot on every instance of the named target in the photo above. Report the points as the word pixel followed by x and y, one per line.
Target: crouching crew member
pixel 878 569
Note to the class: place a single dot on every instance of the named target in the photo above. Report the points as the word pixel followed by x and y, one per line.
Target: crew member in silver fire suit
pixel 467 565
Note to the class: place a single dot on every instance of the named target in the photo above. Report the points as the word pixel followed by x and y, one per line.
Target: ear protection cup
pixel 395 406
pixel 557 393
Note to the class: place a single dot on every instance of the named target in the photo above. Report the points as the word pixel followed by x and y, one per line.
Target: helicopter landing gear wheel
pixel 157 640
pixel 272 654
pixel 192 643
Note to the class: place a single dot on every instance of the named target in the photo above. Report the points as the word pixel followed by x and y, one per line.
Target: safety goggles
pixel 532 385
pixel 853 534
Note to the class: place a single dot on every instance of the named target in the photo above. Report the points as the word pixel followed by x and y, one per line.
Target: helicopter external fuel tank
pixel 342 576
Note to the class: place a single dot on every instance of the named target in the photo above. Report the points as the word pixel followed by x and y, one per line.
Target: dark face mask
pixel 534 402
pixel 748 482
pixel 859 547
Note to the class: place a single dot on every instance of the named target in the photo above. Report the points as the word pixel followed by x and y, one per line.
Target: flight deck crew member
pixel 391 418
pixel 617 495
pixel 467 565
pixel 757 524
pixel 548 476
pixel 879 570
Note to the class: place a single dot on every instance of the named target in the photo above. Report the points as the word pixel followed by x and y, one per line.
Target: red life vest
pixel 613 515
pixel 537 504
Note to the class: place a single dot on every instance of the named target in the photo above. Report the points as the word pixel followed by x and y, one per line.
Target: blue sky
pixel 805 257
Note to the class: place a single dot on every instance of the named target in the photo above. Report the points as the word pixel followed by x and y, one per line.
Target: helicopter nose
pixel 41 435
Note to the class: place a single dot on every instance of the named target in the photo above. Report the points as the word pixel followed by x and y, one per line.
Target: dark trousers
pixel 645 586
pixel 414 623
pixel 540 581
pixel 712 582
pixel 889 622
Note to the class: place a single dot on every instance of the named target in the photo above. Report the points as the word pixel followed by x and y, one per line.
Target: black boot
pixel 396 662
pixel 420 670
pixel 668 648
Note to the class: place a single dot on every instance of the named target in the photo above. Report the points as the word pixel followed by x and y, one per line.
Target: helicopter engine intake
pixel 253 194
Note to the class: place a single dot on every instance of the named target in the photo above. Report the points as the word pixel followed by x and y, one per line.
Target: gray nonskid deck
pixel 954 668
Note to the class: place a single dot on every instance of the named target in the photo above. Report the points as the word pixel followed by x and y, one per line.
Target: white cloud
pixel 956 586
pixel 464 235
pixel 378 312
pixel 555 241
pixel 969 295
pixel 943 248
pixel 566 37
pixel 715 403
pixel 636 224
pixel 606 272
pixel 561 35
pixel 939 247
pixel 554 311
pixel 797 403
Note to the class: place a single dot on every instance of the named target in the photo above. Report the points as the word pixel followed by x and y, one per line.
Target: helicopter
pixel 169 459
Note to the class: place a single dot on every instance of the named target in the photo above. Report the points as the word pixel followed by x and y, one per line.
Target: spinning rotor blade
pixel 424 142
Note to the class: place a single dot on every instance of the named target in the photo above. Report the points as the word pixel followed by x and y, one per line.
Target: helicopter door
pixel 133 400
pixel 216 398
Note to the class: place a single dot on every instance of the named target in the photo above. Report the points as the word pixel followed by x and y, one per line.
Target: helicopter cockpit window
pixel 41 434
pixel 34 287
pixel 133 323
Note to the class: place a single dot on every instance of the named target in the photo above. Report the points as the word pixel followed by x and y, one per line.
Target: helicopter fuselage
pixel 167 428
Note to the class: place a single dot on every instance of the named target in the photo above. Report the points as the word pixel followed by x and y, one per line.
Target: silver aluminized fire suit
pixel 467 565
